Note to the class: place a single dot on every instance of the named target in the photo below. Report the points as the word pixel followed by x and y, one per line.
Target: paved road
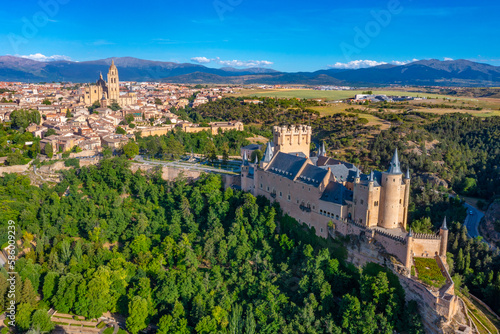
pixel 472 220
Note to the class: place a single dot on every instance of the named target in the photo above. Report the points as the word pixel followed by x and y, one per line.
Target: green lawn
pixel 429 272
pixel 109 330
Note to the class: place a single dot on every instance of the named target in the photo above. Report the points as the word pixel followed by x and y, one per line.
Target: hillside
pixel 425 72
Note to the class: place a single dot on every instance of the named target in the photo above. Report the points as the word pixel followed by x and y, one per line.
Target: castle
pixel 334 196
pixel 107 93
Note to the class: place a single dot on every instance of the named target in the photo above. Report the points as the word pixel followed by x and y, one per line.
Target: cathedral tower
pixel 113 84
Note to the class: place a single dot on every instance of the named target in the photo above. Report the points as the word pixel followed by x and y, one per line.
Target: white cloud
pixel 201 60
pixel 232 63
pixel 448 59
pixel 355 64
pixel 41 57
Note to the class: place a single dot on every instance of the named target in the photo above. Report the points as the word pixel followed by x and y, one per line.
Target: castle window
pixel 337 217
pixel 361 201
pixel 321 230
pixel 267 188
pixel 400 201
pixel 321 211
pixel 289 197
pixel 281 195
pixel 313 207
pixel 375 203
pixel 393 180
pixel 261 186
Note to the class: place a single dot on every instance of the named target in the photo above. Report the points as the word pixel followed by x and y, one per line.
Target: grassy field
pixel 340 107
pixel 429 271
pixel 328 95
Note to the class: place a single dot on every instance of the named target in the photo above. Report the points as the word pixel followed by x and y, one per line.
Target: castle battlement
pixel 292 129
pixel 391 236
pixel 426 236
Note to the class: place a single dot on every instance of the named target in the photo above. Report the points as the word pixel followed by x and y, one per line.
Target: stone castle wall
pixel 426 247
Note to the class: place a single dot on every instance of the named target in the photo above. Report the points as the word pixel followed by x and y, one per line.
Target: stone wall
pixel 426 247
pixel 168 173
pixel 15 169
pixel 393 246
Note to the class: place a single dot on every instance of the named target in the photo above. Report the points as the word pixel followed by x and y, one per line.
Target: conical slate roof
pixel 444 227
pixel 245 162
pixel 407 176
pixel 322 150
pixel 395 166
pixel 268 155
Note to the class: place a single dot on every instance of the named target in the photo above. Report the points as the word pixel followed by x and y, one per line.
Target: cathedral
pixel 333 196
pixel 107 93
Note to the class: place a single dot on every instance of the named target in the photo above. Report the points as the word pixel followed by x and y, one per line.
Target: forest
pixel 175 257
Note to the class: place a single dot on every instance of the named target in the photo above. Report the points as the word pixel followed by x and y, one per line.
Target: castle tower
pixel 245 170
pixel 443 233
pixel 113 83
pixel 296 139
pixel 392 195
pixel 406 201
pixel 409 246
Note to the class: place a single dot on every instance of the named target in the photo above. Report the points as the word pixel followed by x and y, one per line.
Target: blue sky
pixel 285 35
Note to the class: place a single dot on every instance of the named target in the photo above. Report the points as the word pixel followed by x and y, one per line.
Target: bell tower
pixel 113 84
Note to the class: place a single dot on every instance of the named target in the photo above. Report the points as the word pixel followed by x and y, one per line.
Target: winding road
pixel 472 220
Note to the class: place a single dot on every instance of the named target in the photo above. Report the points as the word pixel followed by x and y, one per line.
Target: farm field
pixel 328 95
pixel 340 107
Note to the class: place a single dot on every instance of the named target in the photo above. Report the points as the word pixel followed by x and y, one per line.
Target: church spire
pixel 407 176
pixel 395 167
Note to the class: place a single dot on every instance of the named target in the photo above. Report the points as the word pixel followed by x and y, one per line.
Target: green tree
pixel 41 321
pixel 46 102
pixel 131 149
pixel 120 131
pixel 23 316
pixel 49 151
pixel 49 285
pixel 50 132
pixel 138 313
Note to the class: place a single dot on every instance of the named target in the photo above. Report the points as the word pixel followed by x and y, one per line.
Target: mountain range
pixel 431 72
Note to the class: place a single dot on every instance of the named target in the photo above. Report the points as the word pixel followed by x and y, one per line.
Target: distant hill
pixel 423 72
